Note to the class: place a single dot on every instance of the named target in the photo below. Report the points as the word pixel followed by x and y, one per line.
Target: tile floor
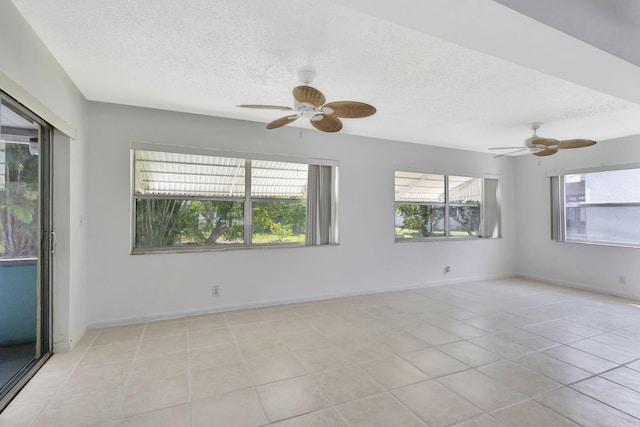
pixel 495 353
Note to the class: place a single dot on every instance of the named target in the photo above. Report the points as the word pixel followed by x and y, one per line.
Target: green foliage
pixel 19 223
pixel 423 218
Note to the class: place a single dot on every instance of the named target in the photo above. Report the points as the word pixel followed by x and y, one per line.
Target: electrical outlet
pixel 447 269
pixel 215 291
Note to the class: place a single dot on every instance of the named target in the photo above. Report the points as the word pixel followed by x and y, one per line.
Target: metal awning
pixel 192 175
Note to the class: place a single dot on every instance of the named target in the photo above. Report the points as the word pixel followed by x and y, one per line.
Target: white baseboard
pixel 580 286
pixel 282 301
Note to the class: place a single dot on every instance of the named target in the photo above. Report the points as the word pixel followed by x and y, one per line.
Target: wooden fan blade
pixel 327 124
pixel 308 94
pixel 351 109
pixel 576 143
pixel 546 141
pixel 546 152
pixel 266 107
pixel 282 121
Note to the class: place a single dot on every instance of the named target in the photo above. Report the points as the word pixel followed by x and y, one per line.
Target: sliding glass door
pixel 25 245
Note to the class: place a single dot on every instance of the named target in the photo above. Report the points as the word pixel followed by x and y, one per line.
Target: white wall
pixel 589 267
pixel 125 288
pixel 27 62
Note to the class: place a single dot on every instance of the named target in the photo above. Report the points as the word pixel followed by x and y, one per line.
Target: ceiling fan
pixel 310 103
pixel 545 146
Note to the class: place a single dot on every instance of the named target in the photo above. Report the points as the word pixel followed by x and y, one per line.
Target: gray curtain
pixel 490 208
pixel 320 205
pixel 557 209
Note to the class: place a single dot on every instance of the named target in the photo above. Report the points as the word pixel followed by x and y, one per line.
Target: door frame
pixel 45 256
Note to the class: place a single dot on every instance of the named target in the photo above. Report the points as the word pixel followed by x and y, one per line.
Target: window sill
pixel 445 239
pixel 148 251
pixel 610 244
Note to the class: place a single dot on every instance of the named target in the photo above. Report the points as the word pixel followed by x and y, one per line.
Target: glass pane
pixel 464 189
pixel 179 174
pixel 182 223
pixel 621 186
pixel 419 187
pixel 279 222
pixel 464 220
pixel 278 179
pixel 416 221
pixel 19 242
pixel 612 224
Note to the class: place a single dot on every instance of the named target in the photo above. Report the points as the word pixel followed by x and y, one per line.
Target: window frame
pixel 447 204
pixel 247 199
pixel 559 205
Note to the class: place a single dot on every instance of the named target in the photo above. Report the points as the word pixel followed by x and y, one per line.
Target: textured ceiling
pixel 212 55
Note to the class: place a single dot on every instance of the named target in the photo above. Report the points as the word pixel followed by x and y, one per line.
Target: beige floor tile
pixel 498 322
pixel 177 416
pixel 621 398
pixel 435 404
pixel 214 356
pixel 528 339
pixel 252 331
pixel 237 409
pixel 604 321
pixel 22 415
pixel 268 369
pixel 434 362
pixel 79 410
pixel 433 335
pixel 363 350
pixel 208 337
pixel 604 351
pixel 519 378
pixel 459 328
pixel 150 394
pixel 321 359
pixel 161 346
pixel 481 390
pixel 634 365
pixel 323 418
pixel 584 410
pixel 469 353
pixel 555 369
pixel 243 316
pixel 583 330
pixel 218 380
pixel 578 358
pixel 279 313
pixel 162 366
pixel 165 329
pixel 393 372
pixel 500 345
pixel 289 327
pixel 215 321
pixel 400 342
pixel 261 347
pixel 119 334
pixel 380 410
pixel 345 384
pixel 554 334
pixel 111 353
pixel 482 421
pixel 290 398
pixel 624 376
pixel 614 340
pixel 107 376
pixel 531 414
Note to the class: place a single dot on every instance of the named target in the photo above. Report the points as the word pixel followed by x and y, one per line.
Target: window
pixel 445 206
pixel 198 201
pixel 598 207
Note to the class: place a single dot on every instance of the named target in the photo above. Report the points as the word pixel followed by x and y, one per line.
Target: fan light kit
pixel 545 146
pixel 310 103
